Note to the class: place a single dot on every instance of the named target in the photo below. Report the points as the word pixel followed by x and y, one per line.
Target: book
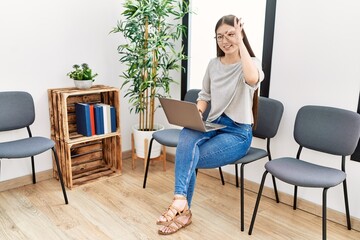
pixel 92 119
pixel 83 125
pixel 107 117
pixel 99 119
pixel 113 118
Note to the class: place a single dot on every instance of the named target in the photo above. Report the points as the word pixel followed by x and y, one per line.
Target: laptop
pixel 186 114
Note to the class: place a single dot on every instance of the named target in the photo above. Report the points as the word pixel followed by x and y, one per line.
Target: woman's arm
pixel 251 73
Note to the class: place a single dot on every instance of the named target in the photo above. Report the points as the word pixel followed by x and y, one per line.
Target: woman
pixel 230 83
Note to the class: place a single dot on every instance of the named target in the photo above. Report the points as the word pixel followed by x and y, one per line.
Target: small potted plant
pixel 82 76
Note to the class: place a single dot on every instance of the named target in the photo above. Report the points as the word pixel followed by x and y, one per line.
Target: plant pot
pixel 141 136
pixel 83 84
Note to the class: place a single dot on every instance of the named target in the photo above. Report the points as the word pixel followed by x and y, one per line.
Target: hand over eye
pixel 238 28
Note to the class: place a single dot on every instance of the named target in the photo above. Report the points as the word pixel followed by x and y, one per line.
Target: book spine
pixel 99 119
pixel 92 119
pixel 105 118
pixel 113 118
pixel 108 119
pixel 83 125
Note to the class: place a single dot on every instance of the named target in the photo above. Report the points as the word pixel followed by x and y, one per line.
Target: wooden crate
pixel 84 159
pixel 91 160
pixel 62 108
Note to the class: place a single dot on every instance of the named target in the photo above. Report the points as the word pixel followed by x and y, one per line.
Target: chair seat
pixel 25 147
pixel 252 155
pixel 167 137
pixel 305 174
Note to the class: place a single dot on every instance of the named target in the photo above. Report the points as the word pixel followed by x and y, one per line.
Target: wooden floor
pixel 119 208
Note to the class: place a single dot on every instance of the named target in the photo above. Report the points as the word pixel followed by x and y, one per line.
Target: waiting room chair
pixel 270 112
pixel 17 111
pixel 170 137
pixel 327 130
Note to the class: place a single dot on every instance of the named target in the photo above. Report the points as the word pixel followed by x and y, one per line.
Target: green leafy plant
pixel 82 72
pixel 151 29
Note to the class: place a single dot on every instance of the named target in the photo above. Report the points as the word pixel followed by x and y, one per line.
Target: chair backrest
pixel 270 112
pixel 192 95
pixel 16 110
pixel 327 129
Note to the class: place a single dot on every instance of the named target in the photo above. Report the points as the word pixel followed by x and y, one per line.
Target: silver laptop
pixel 186 114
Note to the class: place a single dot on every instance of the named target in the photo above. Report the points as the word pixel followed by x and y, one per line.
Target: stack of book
pixel 95 119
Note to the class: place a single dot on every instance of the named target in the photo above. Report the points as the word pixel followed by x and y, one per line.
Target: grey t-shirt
pixel 224 85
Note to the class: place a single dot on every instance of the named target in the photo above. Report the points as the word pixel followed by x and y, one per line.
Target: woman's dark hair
pixel 229 20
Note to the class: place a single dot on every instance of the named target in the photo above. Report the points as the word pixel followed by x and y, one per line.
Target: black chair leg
pixel 347 205
pixel 273 178
pixel 324 214
pixel 221 176
pixel 275 190
pixel 236 176
pixel 60 175
pixel 242 197
pixel 33 169
pixel 295 198
pixel 257 202
pixel 147 163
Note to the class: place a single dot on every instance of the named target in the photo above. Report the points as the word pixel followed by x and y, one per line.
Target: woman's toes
pixel 164 229
pixel 162 219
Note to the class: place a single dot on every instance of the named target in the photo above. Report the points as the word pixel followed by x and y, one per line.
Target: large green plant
pixel 151 29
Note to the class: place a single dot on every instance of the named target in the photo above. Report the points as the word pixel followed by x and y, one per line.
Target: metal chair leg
pixel 221 176
pixel 324 214
pixel 346 205
pixel 60 175
pixel 236 176
pixel 295 198
pixel 242 197
pixel 147 163
pixel 257 202
pixel 273 178
pixel 33 169
pixel 275 190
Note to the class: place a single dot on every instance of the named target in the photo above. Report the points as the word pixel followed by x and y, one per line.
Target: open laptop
pixel 186 114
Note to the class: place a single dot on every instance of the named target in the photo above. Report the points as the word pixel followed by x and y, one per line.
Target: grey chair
pixel 270 112
pixel 327 130
pixel 17 111
pixel 170 137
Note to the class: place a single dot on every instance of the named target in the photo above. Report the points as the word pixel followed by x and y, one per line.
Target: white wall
pixel 40 41
pixel 315 61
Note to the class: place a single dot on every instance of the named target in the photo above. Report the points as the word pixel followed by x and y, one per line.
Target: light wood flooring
pixel 119 208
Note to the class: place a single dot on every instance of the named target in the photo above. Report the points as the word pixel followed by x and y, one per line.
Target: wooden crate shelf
pixel 84 159
pixel 62 108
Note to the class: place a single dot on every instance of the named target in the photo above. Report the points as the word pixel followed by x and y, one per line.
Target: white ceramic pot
pixel 83 84
pixel 139 139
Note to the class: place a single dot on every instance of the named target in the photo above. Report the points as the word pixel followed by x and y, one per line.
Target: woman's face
pixel 225 37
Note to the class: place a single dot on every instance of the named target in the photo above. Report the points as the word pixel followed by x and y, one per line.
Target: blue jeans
pixel 208 150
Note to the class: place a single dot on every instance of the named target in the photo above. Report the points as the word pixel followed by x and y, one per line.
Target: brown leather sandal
pixel 176 224
pixel 172 212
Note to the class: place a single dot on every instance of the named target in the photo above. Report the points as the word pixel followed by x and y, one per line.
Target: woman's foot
pixel 177 216
pixel 179 222
pixel 178 205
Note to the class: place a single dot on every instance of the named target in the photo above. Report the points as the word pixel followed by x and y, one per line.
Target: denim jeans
pixel 208 150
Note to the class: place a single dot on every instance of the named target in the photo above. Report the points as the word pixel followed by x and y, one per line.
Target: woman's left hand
pixel 238 29
pixel 235 36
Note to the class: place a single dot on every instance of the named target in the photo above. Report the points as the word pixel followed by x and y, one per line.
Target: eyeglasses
pixel 220 37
